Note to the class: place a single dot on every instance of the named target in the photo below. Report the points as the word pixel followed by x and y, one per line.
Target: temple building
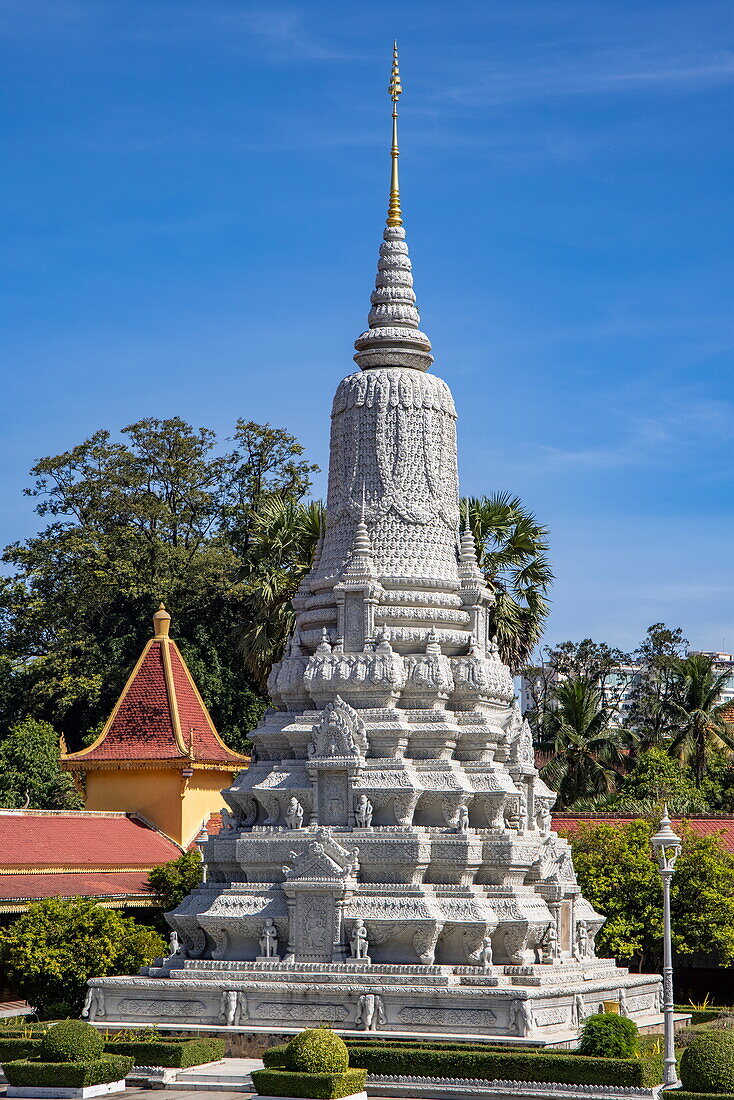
pixel 159 754
pixel 388 861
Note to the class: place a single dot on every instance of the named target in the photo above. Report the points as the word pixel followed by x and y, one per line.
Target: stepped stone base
pixel 516 1003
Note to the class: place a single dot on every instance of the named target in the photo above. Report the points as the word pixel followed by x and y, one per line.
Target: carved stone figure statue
pixel 232 1007
pixel 359 943
pixel 658 997
pixel 485 953
pixel 174 945
pixel 549 943
pixel 294 814
pixel 363 813
pixel 269 940
pixel 521 1017
pixel 370 1012
pixel 542 817
pixel 623 1009
pixel 578 1011
pixel 463 822
pixel 94 1005
pixel 581 946
pixel 522 810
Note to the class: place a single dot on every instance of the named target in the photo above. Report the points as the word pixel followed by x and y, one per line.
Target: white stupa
pixel 388 860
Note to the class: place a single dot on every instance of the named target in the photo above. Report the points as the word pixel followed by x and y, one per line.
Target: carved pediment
pixel 323 859
pixel 340 733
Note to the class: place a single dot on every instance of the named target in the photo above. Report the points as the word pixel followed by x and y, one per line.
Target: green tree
pixel 595 662
pixel 158 513
pixel 697 715
pixel 588 752
pixel 30 774
pixel 654 688
pixel 53 949
pixel 175 880
pixel 284 536
pixel 617 875
pixel 657 778
pixel 512 553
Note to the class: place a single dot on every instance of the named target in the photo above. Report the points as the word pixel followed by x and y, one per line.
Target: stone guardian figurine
pixel 269 940
pixel 359 943
pixel 294 814
pixel 363 813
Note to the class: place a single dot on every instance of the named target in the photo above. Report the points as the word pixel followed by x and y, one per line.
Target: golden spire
pixel 394 213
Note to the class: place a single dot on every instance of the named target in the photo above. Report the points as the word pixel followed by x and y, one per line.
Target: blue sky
pixel 192 201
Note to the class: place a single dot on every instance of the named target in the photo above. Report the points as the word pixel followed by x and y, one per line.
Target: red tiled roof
pixel 698 824
pixel 142 726
pixel 193 715
pixel 159 716
pixel 78 839
pixel 101 884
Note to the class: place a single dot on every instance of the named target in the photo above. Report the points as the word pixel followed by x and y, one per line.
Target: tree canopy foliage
pixel 617 875
pixel 52 950
pixel 173 881
pixel 160 513
pixel 633 728
pixel 512 554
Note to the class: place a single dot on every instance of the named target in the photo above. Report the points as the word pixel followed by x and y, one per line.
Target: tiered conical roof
pixel 160 714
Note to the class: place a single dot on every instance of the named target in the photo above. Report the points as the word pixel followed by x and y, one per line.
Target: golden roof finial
pixel 161 622
pixel 394 213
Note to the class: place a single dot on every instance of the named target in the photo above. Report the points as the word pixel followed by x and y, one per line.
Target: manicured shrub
pixel 71 1041
pixel 607 1035
pixel 508 1065
pixel 180 1054
pixel 317 1050
pixel 320 1086
pixel 276 1057
pixel 16 1047
pixel 707 1065
pixel 67 1075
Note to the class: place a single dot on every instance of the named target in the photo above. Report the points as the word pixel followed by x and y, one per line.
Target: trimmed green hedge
pixel 168 1052
pixel 71 1041
pixel 317 1050
pixel 67 1075
pixel 276 1057
pixel 13 1049
pixel 681 1095
pixel 319 1086
pixel 705 1015
pixel 508 1065
pixel 707 1065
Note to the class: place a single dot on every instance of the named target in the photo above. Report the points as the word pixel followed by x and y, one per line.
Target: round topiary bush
pixel 707 1065
pixel 71 1041
pixel 608 1035
pixel 317 1050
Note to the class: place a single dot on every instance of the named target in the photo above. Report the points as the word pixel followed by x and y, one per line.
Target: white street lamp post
pixel 667 847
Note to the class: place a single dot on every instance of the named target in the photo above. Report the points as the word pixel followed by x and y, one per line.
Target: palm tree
pixel 283 541
pixel 697 713
pixel 511 551
pixel 588 752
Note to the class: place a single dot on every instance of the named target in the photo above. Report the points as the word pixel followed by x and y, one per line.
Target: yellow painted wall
pixel 156 794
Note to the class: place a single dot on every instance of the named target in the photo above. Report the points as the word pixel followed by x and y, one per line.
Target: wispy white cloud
pixel 594 73
pixel 641 441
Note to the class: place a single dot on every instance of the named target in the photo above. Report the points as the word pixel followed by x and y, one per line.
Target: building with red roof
pixel 159 754
pixel 78 853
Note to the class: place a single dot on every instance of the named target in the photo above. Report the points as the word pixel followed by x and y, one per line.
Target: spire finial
pixel 161 622
pixel 394 213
